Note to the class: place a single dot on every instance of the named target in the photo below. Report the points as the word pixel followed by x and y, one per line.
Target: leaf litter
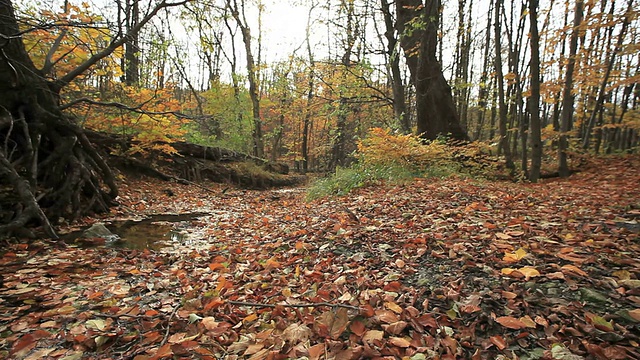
pixel 434 269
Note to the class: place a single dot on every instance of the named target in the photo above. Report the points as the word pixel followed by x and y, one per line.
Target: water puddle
pixel 153 233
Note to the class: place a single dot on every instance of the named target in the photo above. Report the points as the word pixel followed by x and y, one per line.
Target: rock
pixel 98 230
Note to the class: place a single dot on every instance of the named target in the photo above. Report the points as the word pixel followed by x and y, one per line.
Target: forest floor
pixel 432 269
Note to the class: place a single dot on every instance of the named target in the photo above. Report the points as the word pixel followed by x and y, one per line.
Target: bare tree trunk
pixel 566 117
pixel 132 46
pixel 310 94
pixel 605 79
pixel 534 99
pixel 399 102
pixel 258 145
pixel 502 106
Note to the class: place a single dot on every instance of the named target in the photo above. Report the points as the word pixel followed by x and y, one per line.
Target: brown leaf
pixel 335 323
pixel 372 335
pixel 400 342
pixel 316 351
pixel 395 328
pixel 510 322
pixel 573 270
pixel 357 327
pixel 163 352
pixel 296 333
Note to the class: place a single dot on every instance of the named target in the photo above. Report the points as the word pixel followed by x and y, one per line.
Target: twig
pixel 166 334
pixel 115 316
pixel 304 305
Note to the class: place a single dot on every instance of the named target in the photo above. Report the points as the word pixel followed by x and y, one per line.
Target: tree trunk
pixel 566 117
pixel 435 111
pixel 502 106
pixel 395 76
pixel 258 145
pixel 534 99
pixel 132 46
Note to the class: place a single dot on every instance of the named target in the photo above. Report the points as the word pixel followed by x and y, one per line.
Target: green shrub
pixel 385 157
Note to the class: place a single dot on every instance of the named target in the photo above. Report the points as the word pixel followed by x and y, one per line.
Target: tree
pixel 395 77
pixel 46 157
pixel 238 14
pixel 436 114
pixel 502 106
pixel 567 96
pixel 534 99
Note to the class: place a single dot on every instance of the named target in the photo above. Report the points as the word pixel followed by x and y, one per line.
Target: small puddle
pixel 153 233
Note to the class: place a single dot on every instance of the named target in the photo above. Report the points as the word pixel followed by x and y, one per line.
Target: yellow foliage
pixel 381 147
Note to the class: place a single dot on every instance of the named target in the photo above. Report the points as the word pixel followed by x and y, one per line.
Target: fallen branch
pixel 166 334
pixel 304 305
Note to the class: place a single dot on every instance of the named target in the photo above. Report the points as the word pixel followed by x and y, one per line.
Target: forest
pixel 408 179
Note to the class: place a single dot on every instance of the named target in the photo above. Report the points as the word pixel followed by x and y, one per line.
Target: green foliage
pixel 385 157
pixel 229 122
pixel 359 175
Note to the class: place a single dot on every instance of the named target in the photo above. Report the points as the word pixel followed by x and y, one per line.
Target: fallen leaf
pixel 296 333
pixel 372 335
pixel 573 270
pixel 510 322
pixel 498 341
pixel 515 256
pixel 400 342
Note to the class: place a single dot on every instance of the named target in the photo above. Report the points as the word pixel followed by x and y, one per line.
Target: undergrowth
pixel 385 157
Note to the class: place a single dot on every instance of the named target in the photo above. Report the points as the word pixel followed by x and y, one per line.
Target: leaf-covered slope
pixel 434 269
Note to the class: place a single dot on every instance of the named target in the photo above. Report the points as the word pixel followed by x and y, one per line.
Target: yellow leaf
pixel 507 271
pixel 529 272
pixel 514 256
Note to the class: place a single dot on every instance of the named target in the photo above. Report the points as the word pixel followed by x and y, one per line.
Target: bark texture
pixel 436 113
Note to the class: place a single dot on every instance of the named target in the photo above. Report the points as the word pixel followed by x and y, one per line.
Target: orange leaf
pixel 216 266
pixel 335 323
pixel 510 322
pixel 272 264
pixel 214 303
pixel 250 318
pixel 499 342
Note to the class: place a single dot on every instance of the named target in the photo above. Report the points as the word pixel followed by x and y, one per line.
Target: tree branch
pixel 304 305
pixel 116 43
